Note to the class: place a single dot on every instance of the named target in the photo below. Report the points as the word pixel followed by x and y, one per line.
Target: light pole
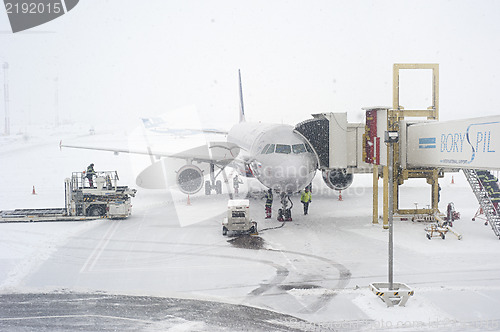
pixel 391 137
pixel 391 292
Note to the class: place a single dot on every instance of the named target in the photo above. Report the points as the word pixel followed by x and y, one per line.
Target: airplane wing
pixel 159 125
pixel 219 153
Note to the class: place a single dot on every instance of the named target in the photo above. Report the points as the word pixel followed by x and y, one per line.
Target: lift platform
pixel 82 202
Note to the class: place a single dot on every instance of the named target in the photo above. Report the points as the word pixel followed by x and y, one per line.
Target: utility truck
pixel 238 218
pixel 82 201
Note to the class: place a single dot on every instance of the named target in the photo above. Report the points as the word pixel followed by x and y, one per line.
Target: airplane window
pixel 308 148
pixel 298 148
pixel 265 149
pixel 271 149
pixel 282 148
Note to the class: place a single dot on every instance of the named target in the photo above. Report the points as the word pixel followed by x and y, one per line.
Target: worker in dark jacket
pixel 305 198
pixel 90 175
pixel 269 203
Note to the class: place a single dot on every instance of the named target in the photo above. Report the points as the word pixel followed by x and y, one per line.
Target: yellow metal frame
pixel 394 117
pixel 432 113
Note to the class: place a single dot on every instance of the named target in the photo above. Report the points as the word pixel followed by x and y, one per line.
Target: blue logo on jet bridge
pixel 427 143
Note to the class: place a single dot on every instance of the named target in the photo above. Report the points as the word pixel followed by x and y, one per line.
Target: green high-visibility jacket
pixel 90 171
pixel 305 196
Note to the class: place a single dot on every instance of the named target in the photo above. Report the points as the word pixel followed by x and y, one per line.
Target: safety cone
pixel 340 195
pixel 452 180
pixel 34 192
pixel 188 201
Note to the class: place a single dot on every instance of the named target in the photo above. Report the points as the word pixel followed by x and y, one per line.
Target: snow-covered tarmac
pixel 315 269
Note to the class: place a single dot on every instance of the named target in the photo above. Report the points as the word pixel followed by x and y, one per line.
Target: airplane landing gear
pixel 285 213
pixel 212 184
pixel 217 187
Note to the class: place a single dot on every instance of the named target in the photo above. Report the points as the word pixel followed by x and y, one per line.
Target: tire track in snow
pixel 344 278
pixel 281 272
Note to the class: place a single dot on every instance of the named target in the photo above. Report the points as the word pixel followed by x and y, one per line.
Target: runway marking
pixel 99 248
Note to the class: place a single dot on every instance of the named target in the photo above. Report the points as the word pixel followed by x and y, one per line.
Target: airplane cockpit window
pixel 308 148
pixel 298 148
pixel 264 149
pixel 270 149
pixel 282 148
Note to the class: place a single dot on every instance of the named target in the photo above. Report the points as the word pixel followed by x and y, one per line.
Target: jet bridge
pixel 336 143
pixel 427 149
pixel 430 148
pixel 470 144
pixel 338 146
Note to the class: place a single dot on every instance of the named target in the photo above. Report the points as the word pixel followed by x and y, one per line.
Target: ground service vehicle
pixel 82 202
pixel 238 218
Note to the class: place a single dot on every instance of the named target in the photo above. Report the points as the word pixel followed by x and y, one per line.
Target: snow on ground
pixel 24 247
pixel 316 268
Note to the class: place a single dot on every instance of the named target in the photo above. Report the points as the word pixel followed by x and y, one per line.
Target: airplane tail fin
pixel 242 109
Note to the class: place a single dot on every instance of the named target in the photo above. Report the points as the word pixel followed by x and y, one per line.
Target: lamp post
pixel 391 137
pixel 391 293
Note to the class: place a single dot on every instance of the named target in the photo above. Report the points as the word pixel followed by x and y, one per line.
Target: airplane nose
pixel 290 173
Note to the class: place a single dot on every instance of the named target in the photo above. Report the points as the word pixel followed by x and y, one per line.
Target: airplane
pixel 275 154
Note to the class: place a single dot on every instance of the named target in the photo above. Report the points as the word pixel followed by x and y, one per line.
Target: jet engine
pixel 337 179
pixel 189 179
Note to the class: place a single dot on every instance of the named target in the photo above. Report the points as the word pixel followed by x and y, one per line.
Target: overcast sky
pixel 122 60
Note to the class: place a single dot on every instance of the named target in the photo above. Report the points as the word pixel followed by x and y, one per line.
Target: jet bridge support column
pixel 375 194
pixel 396 116
pixel 435 190
pixel 381 119
pixel 375 153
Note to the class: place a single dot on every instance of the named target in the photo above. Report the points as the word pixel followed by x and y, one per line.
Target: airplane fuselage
pixel 278 157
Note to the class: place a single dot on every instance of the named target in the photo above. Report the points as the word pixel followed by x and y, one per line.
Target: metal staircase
pixel 484 200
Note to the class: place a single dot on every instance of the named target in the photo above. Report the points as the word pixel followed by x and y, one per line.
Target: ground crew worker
pixel 269 203
pixel 236 184
pixel 305 198
pixel 90 175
